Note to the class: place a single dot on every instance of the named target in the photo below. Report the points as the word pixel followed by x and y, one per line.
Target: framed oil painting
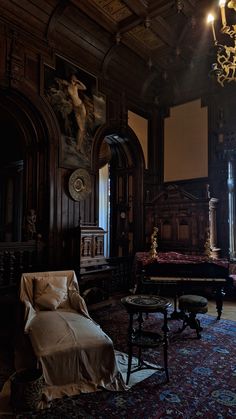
pixel 79 108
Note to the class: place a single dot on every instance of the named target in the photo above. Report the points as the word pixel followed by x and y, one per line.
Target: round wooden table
pixel 144 304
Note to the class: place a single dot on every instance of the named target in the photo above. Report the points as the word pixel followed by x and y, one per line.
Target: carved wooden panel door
pixel 126 224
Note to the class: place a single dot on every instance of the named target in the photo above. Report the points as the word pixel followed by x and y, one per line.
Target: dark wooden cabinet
pixel 92 246
pixel 95 276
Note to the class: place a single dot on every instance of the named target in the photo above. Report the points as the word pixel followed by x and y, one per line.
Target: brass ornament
pixel 80 184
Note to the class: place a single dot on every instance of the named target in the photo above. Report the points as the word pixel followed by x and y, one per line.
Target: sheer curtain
pixel 104 205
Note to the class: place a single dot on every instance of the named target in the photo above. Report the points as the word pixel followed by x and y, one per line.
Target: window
pixel 104 205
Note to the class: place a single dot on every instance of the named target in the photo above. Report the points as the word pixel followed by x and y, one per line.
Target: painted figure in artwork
pixel 76 110
pixel 74 86
pixel 79 110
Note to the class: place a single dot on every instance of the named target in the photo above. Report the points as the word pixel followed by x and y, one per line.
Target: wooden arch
pixel 35 134
pixel 126 175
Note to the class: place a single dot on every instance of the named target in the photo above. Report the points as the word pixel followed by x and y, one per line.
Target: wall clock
pixel 80 184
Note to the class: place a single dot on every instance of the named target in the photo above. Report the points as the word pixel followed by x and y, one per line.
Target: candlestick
pixel 210 19
pixel 222 10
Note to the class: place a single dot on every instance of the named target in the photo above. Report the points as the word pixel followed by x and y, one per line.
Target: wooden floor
pixel 229 309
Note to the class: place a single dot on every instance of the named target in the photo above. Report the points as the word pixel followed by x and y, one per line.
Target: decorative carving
pixel 18 257
pixel 182 220
pixel 80 184
pixel 215 250
pixel 30 224
pixel 15 60
pixel 208 245
pixel 92 246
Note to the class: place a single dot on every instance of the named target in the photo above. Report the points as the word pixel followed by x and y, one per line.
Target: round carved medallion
pixel 80 184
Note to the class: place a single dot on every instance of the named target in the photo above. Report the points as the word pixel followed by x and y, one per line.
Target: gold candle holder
pixel 154 244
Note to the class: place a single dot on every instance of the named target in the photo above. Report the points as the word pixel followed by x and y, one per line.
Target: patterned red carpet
pixel 202 376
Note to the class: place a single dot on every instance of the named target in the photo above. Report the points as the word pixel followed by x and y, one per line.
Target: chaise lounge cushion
pixel 51 298
pixel 50 292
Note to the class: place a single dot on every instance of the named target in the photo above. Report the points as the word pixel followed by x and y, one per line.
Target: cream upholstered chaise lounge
pixel 73 351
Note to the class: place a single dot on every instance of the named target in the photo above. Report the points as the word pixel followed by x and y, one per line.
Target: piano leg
pixel 219 301
pixel 177 314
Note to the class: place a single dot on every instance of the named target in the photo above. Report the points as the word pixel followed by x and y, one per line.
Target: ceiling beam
pixel 95 14
pixel 137 7
pixel 131 22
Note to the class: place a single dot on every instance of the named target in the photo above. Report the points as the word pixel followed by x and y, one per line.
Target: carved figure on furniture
pixel 208 245
pixel 31 224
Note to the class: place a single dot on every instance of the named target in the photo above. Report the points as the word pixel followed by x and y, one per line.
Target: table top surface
pixel 146 303
pixel 177 258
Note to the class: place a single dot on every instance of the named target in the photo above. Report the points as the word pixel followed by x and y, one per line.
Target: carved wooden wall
pixel 31 37
pixel 182 220
pixel 30 43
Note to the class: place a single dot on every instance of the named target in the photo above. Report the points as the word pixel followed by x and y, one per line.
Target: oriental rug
pixel 202 376
pixel 122 362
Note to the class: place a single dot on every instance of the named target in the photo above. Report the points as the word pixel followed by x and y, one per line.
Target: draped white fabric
pixel 73 351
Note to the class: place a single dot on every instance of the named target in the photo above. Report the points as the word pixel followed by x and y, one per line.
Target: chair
pixel 73 351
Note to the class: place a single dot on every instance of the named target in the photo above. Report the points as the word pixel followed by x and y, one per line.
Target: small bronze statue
pixel 31 224
pixel 154 245
pixel 207 245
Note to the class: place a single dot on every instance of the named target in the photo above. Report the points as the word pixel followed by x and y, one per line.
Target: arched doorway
pixel 11 179
pixel 124 157
pixel 24 174
pixel 23 165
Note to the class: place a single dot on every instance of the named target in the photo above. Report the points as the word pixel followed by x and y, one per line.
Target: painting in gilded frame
pixel 79 109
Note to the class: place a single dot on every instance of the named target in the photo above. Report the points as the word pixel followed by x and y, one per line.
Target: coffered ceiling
pixel 162 32
pixel 149 46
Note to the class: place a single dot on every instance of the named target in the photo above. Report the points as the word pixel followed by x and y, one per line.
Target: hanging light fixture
pixel 225 66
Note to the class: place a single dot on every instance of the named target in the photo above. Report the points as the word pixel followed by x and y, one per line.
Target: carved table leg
pixel 130 351
pixel 165 330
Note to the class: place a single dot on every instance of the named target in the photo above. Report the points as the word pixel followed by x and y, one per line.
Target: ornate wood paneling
pixel 182 220
pixel 16 258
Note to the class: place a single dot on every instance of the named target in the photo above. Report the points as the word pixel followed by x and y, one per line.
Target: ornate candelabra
pixel 154 245
pixel 225 66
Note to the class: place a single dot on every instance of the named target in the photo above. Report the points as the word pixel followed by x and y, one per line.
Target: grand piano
pixel 182 273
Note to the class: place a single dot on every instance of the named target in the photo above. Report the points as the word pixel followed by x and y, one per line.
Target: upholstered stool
pixel 190 306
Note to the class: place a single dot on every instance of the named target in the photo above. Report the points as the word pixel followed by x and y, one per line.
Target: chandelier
pixel 225 66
